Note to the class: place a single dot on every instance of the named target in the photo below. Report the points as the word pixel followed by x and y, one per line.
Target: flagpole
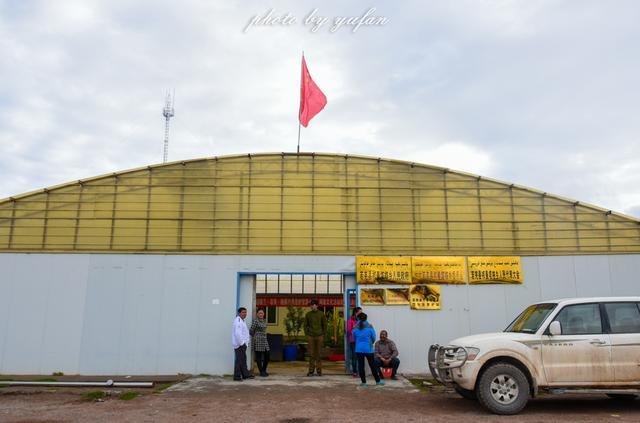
pixel 298 150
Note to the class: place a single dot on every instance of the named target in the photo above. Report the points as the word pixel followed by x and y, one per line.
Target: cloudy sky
pixel 539 93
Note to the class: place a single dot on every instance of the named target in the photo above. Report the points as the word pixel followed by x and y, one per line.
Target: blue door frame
pixel 347 347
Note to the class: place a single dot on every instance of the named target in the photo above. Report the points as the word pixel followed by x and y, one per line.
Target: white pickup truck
pixel 581 345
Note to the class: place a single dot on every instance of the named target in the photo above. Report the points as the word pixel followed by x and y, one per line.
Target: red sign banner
pixel 300 301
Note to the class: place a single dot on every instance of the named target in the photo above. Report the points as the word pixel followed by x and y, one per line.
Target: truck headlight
pixel 472 353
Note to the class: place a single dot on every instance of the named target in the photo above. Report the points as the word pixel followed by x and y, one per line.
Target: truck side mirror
pixel 555 328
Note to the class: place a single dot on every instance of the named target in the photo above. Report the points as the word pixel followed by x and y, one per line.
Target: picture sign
pixel 372 296
pixel 397 296
pixel 425 297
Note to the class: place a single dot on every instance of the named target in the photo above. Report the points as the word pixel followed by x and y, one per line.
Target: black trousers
pixel 262 360
pixel 372 366
pixel 394 366
pixel 240 370
pixel 353 357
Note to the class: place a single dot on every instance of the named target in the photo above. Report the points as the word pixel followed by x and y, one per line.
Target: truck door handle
pixel 597 342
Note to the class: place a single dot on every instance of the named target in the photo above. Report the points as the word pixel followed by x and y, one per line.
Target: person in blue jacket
pixel 364 336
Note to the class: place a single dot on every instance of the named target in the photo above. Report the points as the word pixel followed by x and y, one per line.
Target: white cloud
pixel 540 93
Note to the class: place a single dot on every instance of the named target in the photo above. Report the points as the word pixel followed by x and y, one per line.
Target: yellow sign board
pixel 492 269
pixel 397 296
pixel 383 269
pixel 425 297
pixel 372 296
pixel 438 269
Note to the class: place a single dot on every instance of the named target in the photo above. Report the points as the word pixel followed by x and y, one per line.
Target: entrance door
pixel 582 353
pixel 288 295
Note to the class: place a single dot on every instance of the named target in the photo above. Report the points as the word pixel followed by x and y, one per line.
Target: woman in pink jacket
pixel 353 321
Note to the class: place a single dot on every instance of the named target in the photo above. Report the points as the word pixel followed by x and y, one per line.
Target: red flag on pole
pixel 312 99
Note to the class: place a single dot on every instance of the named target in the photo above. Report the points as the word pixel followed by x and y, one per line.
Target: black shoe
pixel 310 374
pixel 263 374
pixel 394 377
pixel 319 373
pixel 266 374
pixel 250 377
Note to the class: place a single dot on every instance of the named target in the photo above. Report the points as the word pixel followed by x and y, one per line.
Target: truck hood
pixel 478 340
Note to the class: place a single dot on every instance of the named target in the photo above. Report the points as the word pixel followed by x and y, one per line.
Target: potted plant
pixel 334 338
pixel 293 325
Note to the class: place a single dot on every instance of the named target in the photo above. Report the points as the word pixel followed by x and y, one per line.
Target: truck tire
pixel 503 389
pixel 466 393
pixel 624 397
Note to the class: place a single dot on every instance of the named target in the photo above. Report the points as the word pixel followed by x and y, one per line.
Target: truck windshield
pixel 530 320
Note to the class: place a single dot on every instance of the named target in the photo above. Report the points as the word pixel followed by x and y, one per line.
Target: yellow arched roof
pixel 307 203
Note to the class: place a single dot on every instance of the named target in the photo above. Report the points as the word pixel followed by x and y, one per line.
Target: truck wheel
pixel 625 397
pixel 466 393
pixel 503 389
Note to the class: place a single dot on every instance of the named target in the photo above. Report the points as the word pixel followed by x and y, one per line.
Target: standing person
pixel 365 336
pixel 353 321
pixel 260 342
pixel 240 340
pixel 315 326
pixel 386 354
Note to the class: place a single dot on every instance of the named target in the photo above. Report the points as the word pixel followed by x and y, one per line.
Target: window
pixel 299 284
pixel 580 319
pixel 272 315
pixel 530 320
pixel 623 317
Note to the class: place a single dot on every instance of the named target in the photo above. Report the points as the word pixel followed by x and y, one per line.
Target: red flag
pixel 312 99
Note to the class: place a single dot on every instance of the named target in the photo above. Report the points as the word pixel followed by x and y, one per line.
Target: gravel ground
pixel 293 399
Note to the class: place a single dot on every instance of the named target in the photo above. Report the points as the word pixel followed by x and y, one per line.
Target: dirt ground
pixel 291 399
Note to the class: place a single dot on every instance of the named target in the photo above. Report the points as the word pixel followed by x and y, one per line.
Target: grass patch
pixel 159 387
pixel 93 395
pixel 418 383
pixel 3 385
pixel 46 379
pixel 128 396
pixel 57 374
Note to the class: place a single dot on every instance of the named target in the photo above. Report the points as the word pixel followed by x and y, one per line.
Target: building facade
pixel 140 272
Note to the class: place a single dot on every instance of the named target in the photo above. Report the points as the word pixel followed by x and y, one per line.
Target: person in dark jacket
pixel 258 331
pixel 315 326
pixel 365 335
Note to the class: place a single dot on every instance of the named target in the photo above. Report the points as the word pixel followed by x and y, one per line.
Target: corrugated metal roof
pixel 307 203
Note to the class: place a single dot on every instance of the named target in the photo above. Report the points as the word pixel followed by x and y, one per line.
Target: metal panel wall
pixel 157 314
pixel 125 314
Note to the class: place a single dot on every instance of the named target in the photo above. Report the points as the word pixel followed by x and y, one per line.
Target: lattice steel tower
pixel 168 113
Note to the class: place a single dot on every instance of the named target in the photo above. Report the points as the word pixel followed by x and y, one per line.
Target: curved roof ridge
pixel 322 154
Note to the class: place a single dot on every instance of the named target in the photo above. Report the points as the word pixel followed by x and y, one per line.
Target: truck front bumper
pixel 449 366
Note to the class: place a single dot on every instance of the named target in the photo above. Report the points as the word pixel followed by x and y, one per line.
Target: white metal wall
pixel 129 314
pixel 164 314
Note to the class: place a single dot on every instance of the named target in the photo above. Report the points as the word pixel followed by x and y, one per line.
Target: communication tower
pixel 168 113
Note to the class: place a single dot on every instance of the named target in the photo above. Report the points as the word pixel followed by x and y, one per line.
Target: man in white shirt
pixel 240 339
